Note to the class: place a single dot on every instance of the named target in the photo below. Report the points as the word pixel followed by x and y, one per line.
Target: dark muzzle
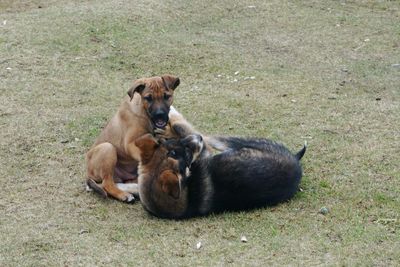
pixel 159 118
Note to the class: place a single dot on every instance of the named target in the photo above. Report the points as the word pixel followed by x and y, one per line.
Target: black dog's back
pixel 253 173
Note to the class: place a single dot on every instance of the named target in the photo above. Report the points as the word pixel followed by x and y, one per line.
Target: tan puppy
pixel 114 156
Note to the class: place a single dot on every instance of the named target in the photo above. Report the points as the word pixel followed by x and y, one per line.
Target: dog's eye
pixel 172 153
pixel 148 98
pixel 166 96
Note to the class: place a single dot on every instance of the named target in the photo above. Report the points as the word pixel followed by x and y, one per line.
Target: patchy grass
pixel 307 70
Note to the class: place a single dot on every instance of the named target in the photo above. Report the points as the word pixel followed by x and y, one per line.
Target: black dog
pixel 181 179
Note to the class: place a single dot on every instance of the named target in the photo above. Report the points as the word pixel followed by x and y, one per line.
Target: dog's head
pixel 163 161
pixel 169 160
pixel 157 95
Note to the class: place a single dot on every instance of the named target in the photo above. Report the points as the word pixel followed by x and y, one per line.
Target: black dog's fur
pixel 251 173
pixel 248 174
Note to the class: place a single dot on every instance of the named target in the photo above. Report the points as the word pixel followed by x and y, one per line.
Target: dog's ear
pixel 169 182
pixel 170 82
pixel 147 145
pixel 137 87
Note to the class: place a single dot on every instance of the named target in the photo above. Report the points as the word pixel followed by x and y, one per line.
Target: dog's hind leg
pixel 101 161
pixel 91 185
pixel 180 126
pixel 217 143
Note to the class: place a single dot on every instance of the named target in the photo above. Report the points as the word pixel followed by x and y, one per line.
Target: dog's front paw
pixel 165 133
pixel 130 199
pixel 159 132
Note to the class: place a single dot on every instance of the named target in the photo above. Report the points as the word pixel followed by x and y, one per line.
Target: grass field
pixel 323 71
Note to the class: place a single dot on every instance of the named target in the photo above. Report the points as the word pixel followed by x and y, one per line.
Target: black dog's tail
pixel 301 153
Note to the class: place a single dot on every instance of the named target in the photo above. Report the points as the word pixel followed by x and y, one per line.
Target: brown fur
pixel 114 156
pixel 159 179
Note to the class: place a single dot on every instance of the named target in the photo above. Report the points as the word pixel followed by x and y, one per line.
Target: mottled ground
pixel 323 71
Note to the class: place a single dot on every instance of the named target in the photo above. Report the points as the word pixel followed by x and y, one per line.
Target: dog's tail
pixel 301 153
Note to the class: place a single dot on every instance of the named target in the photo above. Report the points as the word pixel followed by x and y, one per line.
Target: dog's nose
pixel 159 113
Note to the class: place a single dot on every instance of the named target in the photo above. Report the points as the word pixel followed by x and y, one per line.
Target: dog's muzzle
pixel 160 119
